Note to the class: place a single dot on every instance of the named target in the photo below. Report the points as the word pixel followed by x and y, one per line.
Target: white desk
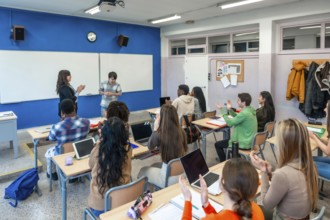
pixel 8 130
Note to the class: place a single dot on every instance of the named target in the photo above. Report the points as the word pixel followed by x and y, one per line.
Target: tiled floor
pixel 48 206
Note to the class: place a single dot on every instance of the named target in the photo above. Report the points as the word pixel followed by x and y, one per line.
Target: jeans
pixel 323 166
pixel 97 213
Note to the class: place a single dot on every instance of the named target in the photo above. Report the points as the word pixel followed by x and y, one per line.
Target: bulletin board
pixel 230 67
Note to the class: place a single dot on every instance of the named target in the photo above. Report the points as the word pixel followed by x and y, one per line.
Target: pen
pixel 195 207
pixel 161 205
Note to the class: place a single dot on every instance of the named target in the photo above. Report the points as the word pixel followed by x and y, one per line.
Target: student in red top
pixel 239 184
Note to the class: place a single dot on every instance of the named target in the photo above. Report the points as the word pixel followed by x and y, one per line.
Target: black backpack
pixel 191 131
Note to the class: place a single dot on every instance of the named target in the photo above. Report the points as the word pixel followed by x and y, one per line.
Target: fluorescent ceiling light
pixel 93 10
pixel 174 17
pixel 242 34
pixel 236 4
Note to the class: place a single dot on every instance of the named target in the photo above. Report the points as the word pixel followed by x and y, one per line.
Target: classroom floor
pixel 48 206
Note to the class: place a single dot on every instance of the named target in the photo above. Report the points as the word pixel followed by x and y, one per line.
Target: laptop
pixel 162 100
pixel 193 165
pixel 142 132
pixel 83 148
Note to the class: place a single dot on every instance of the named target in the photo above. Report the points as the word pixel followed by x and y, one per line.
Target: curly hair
pixel 118 109
pixel 112 154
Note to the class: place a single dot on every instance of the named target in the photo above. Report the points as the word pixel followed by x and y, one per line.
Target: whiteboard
pixel 134 71
pixel 32 75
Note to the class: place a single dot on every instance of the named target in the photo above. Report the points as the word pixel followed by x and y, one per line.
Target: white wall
pixel 269 70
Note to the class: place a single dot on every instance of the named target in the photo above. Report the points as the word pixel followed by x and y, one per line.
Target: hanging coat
pixel 296 83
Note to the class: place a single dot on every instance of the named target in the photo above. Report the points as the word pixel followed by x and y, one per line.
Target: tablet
pixel 83 148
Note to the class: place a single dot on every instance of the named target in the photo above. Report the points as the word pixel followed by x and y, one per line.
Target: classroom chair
pixel 320 215
pixel 188 123
pixel 120 195
pixel 258 142
pixel 67 148
pixel 174 168
pixel 270 128
pixel 321 180
pixel 208 115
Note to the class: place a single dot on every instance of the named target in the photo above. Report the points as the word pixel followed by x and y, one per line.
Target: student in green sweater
pixel 244 123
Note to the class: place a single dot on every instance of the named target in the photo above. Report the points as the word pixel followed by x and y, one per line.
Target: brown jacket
pixel 296 82
pixel 95 199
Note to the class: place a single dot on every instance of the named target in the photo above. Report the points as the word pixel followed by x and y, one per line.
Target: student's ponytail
pixel 240 181
pixel 243 208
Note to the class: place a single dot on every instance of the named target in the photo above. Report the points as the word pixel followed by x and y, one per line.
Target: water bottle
pixel 234 149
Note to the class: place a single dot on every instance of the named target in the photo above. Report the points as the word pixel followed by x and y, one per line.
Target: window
pixel 327 35
pixel 246 42
pixel 302 37
pixel 178 47
pixel 197 45
pixel 219 44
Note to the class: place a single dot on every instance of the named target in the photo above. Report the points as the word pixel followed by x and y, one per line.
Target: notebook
pixel 318 131
pixel 141 132
pixel 162 100
pixel 193 165
pixel 83 148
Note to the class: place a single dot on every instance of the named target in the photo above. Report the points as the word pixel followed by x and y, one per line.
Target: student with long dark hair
pixel 110 162
pixel 239 184
pixel 197 92
pixel 65 90
pixel 169 136
pixel 266 112
pixel 293 191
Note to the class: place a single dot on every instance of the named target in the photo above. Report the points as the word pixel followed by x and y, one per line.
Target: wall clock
pixel 91 36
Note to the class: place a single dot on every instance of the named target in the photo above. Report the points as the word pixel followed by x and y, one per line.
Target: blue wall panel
pixel 50 32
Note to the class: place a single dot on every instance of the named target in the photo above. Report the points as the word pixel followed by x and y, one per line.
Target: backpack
pixel 22 187
pixel 191 131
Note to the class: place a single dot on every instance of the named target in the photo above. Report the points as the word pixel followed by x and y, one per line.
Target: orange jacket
pixel 296 83
pixel 211 214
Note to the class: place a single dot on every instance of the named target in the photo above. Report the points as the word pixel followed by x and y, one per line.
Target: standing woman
pixel 170 138
pixel 323 163
pixel 266 112
pixel 197 92
pixel 110 162
pixel 65 90
pixel 293 191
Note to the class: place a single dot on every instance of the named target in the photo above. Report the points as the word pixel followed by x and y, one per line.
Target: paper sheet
pixel 197 209
pixel 232 70
pixel 233 80
pixel 168 211
pixel 225 81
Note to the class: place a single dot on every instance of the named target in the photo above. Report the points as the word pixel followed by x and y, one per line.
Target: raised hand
pixel 184 189
pixel 204 192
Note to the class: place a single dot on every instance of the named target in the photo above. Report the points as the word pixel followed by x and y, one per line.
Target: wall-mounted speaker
pixel 18 32
pixel 122 40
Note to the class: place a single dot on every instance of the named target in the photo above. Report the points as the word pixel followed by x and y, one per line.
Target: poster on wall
pixel 232 69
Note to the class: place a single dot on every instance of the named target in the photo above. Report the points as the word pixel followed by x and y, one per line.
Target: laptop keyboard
pixel 210 178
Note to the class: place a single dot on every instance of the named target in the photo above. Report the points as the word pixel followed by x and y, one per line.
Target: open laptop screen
pixel 194 164
pixel 162 100
pixel 83 148
pixel 141 131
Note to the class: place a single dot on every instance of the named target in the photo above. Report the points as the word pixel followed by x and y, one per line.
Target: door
pixel 196 74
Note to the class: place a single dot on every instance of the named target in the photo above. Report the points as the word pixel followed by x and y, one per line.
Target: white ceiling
pixel 140 11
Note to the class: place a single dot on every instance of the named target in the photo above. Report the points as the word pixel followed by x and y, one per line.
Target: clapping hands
pixel 261 164
pixel 187 194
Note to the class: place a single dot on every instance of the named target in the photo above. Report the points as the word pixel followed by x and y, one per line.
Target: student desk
pixel 314 145
pixel 79 168
pixel 158 198
pixel 205 129
pixel 153 111
pixel 8 130
pixel 36 136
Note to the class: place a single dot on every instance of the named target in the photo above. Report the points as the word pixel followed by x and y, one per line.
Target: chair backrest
pixel 269 126
pixel 259 139
pixel 209 114
pixel 174 168
pixel 67 147
pixel 183 122
pixel 120 195
pixel 320 215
